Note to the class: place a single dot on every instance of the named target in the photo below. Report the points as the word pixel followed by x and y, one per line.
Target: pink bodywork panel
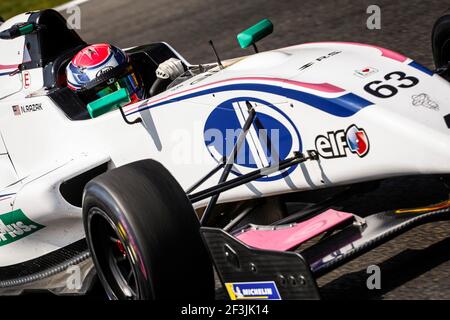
pixel 384 52
pixel 287 238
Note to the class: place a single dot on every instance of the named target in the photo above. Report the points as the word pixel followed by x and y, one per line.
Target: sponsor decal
pixel 19 110
pixel 336 143
pixel 306 66
pixel 26 80
pixel 272 136
pixel 16 225
pixel 319 59
pixel 365 72
pixel 424 100
pixel 253 291
pixel 104 70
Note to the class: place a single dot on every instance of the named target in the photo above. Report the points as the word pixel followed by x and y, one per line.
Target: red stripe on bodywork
pixel 11 66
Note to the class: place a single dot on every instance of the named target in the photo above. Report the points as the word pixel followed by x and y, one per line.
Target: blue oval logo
pixel 272 137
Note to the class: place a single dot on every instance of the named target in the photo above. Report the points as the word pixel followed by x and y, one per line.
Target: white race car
pixel 196 175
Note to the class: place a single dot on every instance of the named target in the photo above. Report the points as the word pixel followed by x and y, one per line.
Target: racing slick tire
pixel 441 43
pixel 144 235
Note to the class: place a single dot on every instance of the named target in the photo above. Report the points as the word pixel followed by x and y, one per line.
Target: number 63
pixel 389 90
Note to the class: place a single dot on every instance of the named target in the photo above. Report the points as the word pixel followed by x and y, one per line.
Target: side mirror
pixel 253 34
pixel 108 103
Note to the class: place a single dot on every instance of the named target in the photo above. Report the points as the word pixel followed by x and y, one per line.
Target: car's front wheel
pixel 144 236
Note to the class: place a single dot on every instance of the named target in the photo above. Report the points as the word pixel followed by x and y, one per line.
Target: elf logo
pixel 16 225
pixel 336 143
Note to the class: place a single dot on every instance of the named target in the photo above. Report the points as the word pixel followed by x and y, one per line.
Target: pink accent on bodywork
pixel 288 238
pixel 384 52
pixel 324 87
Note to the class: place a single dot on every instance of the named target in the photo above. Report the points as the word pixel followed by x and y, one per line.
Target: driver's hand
pixel 170 69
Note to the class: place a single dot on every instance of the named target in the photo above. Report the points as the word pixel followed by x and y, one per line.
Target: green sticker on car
pixel 16 225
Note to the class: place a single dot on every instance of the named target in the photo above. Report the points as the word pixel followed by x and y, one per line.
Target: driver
pixel 101 69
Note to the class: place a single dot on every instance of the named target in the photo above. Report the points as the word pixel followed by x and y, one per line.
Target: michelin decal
pixel 253 291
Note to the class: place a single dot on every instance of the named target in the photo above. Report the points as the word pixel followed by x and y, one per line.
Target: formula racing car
pixel 208 172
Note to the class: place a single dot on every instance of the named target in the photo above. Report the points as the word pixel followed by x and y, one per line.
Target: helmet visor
pixel 126 80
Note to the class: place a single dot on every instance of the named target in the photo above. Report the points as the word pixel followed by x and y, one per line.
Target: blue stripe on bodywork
pixel 343 106
pixel 420 67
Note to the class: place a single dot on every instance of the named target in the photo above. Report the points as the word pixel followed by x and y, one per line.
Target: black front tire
pixel 144 235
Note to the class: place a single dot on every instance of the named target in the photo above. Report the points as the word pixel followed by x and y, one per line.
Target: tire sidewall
pixel 129 241
pixel 160 229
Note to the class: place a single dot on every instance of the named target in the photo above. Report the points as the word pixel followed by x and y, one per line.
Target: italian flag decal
pixel 16 225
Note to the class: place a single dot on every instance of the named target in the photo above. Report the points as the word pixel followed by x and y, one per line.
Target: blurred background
pixel 188 25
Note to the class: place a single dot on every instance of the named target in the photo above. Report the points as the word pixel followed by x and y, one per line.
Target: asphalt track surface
pixel 417 264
